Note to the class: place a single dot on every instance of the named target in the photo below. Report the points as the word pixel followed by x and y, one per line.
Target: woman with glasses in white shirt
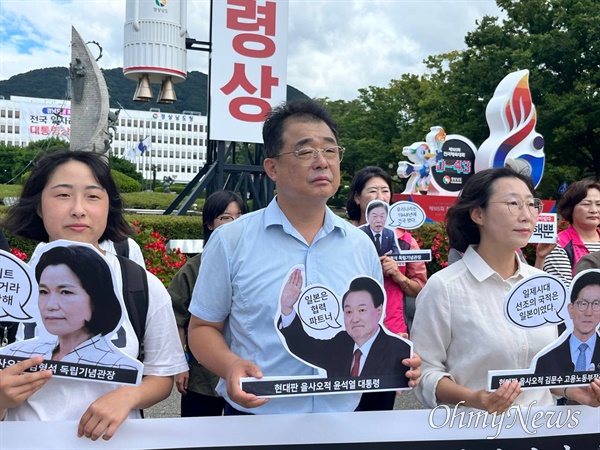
pixel 459 329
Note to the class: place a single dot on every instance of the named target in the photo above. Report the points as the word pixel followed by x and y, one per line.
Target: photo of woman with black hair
pixel 78 308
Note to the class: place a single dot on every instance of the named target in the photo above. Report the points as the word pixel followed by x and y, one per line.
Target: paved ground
pixel 170 406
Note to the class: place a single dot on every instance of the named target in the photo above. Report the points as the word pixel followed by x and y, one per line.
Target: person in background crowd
pixel 71 195
pixel 374 183
pixel 197 386
pixel 590 261
pixel 580 206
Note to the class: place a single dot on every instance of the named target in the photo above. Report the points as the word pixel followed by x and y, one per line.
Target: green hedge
pixel 171 227
pixel 153 200
pixel 125 183
pixel 25 245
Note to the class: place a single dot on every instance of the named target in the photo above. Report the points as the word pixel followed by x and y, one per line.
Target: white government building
pixel 178 141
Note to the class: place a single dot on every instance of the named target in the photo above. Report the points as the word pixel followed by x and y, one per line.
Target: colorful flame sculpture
pixel 513 141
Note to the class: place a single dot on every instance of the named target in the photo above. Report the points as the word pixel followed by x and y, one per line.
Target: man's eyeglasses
pixel 582 305
pixel 308 155
pixel 534 206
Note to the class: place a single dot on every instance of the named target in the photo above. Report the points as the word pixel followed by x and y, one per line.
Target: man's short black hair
pixel 591 278
pixel 303 110
pixel 369 285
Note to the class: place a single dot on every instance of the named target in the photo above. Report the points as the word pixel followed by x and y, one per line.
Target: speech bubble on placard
pixel 15 289
pixel 319 308
pixel 535 302
pixel 407 215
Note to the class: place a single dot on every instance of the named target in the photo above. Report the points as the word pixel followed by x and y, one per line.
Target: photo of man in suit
pixel 362 349
pixel 383 238
pixel 580 351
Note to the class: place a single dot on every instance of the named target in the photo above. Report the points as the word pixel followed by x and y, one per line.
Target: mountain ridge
pixel 51 82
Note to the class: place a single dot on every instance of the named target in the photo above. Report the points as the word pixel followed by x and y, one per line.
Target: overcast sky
pixel 335 46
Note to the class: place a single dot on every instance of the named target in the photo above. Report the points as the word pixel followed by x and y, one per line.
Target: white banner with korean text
pixel 43 121
pixel 248 71
pixel 444 428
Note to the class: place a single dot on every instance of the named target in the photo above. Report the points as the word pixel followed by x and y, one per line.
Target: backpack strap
pixel 122 248
pixel 135 295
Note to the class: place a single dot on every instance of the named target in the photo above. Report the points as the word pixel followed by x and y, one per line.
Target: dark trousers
pixel 200 405
pixel 231 411
pixel 377 401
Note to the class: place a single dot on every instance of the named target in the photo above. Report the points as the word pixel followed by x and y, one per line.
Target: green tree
pixel 381 122
pixel 557 40
pixel 125 167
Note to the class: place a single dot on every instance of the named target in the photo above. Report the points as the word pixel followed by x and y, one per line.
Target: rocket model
pixel 154 46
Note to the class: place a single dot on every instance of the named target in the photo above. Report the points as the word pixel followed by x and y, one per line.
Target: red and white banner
pixel 248 72
pixel 43 121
